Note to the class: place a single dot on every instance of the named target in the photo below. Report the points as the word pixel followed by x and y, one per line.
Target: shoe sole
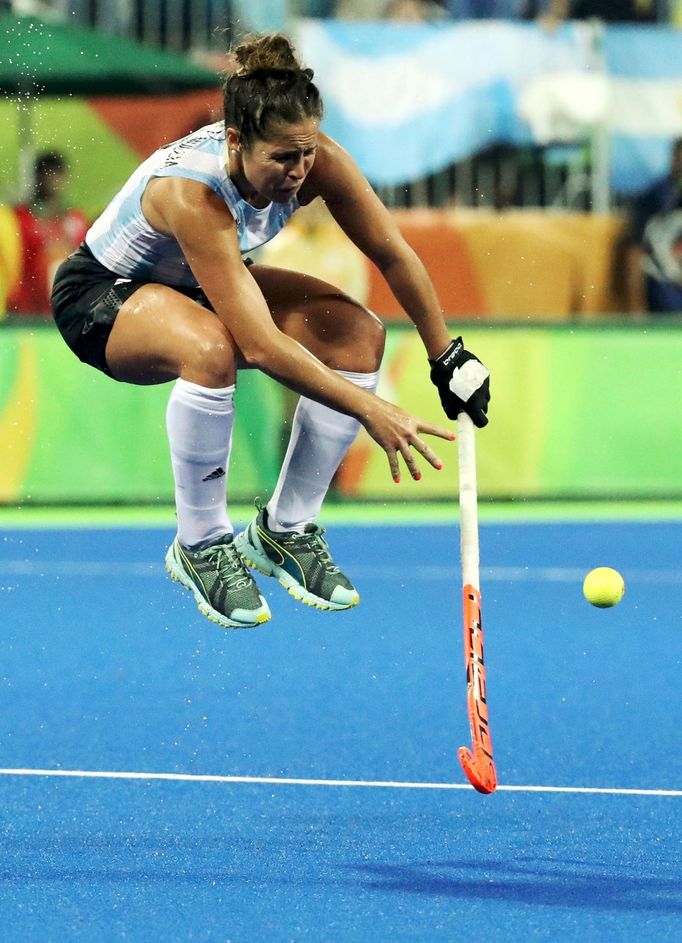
pixel 263 564
pixel 178 575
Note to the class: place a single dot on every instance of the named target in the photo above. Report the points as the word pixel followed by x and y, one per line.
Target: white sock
pixel 199 423
pixel 320 437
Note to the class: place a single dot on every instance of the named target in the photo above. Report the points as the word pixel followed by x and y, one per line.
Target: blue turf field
pixel 105 665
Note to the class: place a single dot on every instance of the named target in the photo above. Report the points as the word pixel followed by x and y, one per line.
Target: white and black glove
pixel 463 383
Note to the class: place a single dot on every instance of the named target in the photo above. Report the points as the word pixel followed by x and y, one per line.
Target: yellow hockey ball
pixel 603 587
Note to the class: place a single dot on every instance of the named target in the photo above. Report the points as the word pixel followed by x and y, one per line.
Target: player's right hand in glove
pixel 463 383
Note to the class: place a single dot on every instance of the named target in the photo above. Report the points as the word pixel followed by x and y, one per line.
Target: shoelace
pixel 230 566
pixel 316 543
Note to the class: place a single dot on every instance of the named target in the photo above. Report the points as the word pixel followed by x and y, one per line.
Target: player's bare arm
pixel 463 382
pixel 354 205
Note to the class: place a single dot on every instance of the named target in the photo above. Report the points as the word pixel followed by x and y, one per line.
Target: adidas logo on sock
pixel 217 473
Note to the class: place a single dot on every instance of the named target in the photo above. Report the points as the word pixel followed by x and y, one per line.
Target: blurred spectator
pixel 552 12
pixel 625 11
pixel 360 9
pixel 487 9
pixel 654 259
pixel 49 231
pixel 611 11
pixel 10 255
pixel 415 11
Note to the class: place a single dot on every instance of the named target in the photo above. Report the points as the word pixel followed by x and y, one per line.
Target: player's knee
pixel 213 358
pixel 366 341
pixel 376 339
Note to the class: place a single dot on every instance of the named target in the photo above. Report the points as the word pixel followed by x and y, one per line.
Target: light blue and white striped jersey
pixel 122 239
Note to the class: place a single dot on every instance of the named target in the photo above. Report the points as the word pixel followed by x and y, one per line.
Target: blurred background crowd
pixel 529 162
pixel 130 15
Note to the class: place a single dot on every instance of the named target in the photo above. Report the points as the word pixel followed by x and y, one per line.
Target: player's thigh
pixel 342 333
pixel 160 334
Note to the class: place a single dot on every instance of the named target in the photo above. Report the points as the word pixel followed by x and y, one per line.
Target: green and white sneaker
pixel 223 587
pixel 301 562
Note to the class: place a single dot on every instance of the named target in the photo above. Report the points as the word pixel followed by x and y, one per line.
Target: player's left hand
pixel 463 383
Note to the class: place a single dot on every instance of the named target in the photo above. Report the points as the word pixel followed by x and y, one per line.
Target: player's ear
pixel 233 139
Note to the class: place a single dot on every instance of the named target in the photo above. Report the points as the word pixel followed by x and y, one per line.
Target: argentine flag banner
pixel 644 66
pixel 407 100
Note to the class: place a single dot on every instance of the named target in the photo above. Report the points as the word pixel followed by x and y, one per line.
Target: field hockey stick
pixel 478 763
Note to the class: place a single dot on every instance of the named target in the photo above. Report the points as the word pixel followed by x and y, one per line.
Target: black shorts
pixel 87 296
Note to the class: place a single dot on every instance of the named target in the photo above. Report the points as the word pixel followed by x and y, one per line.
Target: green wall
pixel 68 433
pixel 588 411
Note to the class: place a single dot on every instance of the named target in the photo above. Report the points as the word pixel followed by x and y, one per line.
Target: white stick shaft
pixel 468 501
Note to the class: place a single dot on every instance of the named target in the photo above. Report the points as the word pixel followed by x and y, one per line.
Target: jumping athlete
pixel 160 291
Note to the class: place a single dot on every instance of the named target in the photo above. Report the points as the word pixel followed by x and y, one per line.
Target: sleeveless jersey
pixel 122 239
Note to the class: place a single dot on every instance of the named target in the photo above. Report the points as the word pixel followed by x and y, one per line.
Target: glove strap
pixel 451 352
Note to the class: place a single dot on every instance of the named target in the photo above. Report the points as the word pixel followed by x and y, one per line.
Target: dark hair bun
pixel 273 52
pixel 268 88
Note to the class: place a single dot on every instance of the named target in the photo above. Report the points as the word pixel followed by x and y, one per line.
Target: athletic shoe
pixel 223 587
pixel 301 563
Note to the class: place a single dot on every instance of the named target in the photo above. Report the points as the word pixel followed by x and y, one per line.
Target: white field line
pixel 347 783
pixel 493 574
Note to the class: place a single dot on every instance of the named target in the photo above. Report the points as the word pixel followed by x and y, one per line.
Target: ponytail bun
pixel 269 88
pixel 271 53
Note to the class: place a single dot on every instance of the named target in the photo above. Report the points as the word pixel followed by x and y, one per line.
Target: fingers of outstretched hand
pixel 430 429
pixel 410 461
pixel 413 441
pixel 428 454
pixel 400 436
pixel 393 463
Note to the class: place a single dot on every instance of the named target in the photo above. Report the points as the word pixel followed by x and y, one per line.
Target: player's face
pixel 276 168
